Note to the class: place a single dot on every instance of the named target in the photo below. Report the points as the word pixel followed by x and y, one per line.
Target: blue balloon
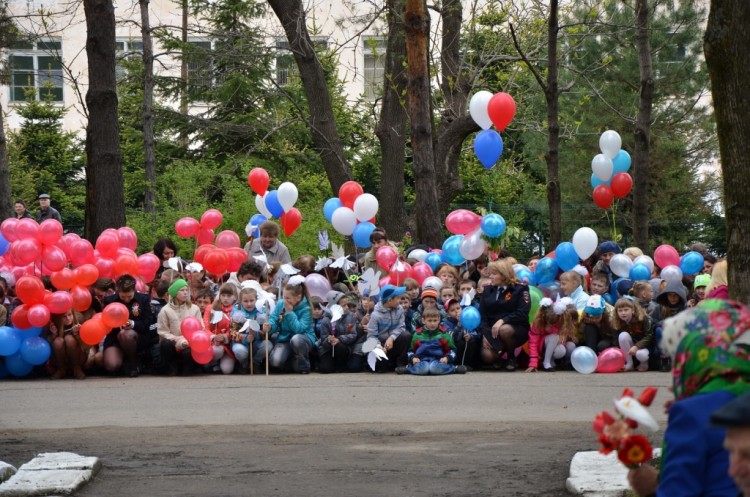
pixel 595 181
pixel 566 256
pixel 608 299
pixel 691 263
pixel 29 332
pixel 3 370
pixel 273 205
pixel 584 360
pixel 451 250
pixel 546 270
pixel 640 272
pixel 526 276
pixel 330 207
pixel 10 340
pixel 621 162
pixel 361 234
pixel 470 318
pixel 17 366
pixel 493 225
pixel 4 244
pixel 433 260
pixel 488 147
pixel 35 350
pixel 257 220
pixel 613 289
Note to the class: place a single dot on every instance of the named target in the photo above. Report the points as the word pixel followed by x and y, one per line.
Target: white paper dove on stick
pixel 340 260
pixel 264 297
pixel 175 263
pixel 322 263
pixel 336 312
pixel 250 324
pixel 375 355
pixel 216 316
pixel 289 270
pixel 369 283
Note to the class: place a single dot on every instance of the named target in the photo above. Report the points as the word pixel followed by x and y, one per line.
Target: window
pixel 36 66
pixel 374 66
pixel 286 67
pixel 200 67
pixel 126 49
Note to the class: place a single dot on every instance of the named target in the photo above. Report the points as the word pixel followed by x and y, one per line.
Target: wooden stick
pixel 250 345
pixel 266 353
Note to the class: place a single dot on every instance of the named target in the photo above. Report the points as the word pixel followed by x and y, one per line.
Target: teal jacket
pixel 297 322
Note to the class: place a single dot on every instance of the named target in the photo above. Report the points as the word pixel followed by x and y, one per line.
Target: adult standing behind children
pixel 21 210
pixel 607 250
pixel 268 245
pixel 45 211
pixel 378 239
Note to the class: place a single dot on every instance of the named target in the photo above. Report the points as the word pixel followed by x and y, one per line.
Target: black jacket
pixel 512 305
pixel 140 313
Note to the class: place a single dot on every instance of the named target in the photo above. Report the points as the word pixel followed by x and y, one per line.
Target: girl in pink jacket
pixel 552 332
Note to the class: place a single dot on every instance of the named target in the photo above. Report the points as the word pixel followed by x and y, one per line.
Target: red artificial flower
pixel 602 419
pixel 647 396
pixel 627 393
pixel 631 423
pixel 634 451
pixel 607 444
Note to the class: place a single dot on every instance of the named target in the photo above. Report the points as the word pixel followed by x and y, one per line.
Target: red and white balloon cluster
pixel 225 255
pixel 274 203
pixel 487 109
pixel 609 177
pixel 352 213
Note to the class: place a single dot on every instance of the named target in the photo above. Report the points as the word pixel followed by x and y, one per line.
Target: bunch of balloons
pixel 274 203
pixel 487 109
pixel 673 267
pixel 353 213
pixel 609 177
pixel 198 338
pixel 22 349
pixel 469 233
pixel 225 256
pixel 202 230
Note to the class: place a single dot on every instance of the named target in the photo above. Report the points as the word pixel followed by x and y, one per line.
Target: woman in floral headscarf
pixel 710 345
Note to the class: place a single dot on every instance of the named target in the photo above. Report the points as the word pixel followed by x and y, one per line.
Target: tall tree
pixel 8 34
pixel 105 202
pixel 149 154
pixel 726 42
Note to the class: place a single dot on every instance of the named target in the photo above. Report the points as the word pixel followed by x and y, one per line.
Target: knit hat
pixel 595 306
pixel 429 292
pixel 333 296
pixel 702 280
pixel 609 246
pixel 176 286
pixel 624 286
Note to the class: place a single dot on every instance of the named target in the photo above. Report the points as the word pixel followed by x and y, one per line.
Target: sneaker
pixel 460 370
pixel 550 369
pixel 511 364
pixel 402 370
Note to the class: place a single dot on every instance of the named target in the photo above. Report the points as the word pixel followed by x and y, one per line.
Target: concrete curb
pixel 593 474
pixel 52 473
pixel 6 471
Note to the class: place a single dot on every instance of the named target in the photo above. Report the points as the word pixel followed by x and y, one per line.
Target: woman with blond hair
pixel 718 288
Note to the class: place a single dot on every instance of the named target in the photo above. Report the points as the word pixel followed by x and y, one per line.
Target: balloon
pixel 610 360
pixel 273 205
pixel 53 258
pixel 187 227
pixel 566 256
pixel 58 302
pixel 27 228
pixel 385 280
pixel 211 219
pixel 526 276
pixel 584 360
pixel 386 256
pixel 126 264
pixel 344 221
pixel 621 264
pixel 115 315
pixel 462 221
pixel 253 226
pixel 585 242
pixel 20 317
pixel 470 318
pixel 8 229
pixel 613 288
pixel 148 264
pixel 488 147
pixel 493 225
pixel 330 207
pixel 646 261
pixel 546 270
pixel 202 251
pixel 417 254
pixel 602 166
pixel 190 325
pixel 501 108
pixel 63 279
pixel 258 180
pixel 317 285
pixel 128 238
pixel 50 231
pixel 621 184
pixel 452 250
pixel 639 272
pixel 691 263
pixel 38 315
pixel 10 340
pixel 536 297
pixel 349 192
pixel 287 195
pixel 361 234
pixel 472 245
pixel 595 181
pixel 17 366
pixel 86 275
pixel 671 273
pixel 205 236
pixel 420 272
pixel 81 252
pixel 603 196
pixel 621 162
pixel 216 262
pixel 227 239
pixel 432 282
pixel 478 108
pixel 666 255
pixel 108 243
pixel 365 207
pixel 93 331
pixel 399 272
pixel 30 290
pixel 26 251
pixel 4 245
pixel 260 204
pixel 610 143
pixel 200 341
pixel 290 221
pixel 202 357
pixel 433 260
pixel 35 350
pixel 81 298
pixel 237 256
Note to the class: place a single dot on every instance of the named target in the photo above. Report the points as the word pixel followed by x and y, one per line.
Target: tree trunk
pixel 6 202
pixel 392 126
pixel 726 40
pixel 105 203
pixel 322 121
pixel 642 127
pixel 416 21
pixel 184 63
pixel 552 94
pixel 149 159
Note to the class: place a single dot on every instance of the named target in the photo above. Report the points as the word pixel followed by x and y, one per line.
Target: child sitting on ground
pixel 633 330
pixel 432 351
pixel 429 301
pixel 218 320
pixel 386 327
pixel 242 340
pixel 594 327
pixel 336 339
pixel 467 342
pixel 552 333
pixel 412 291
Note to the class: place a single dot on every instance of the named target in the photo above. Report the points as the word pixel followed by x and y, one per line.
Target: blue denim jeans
pixel 431 367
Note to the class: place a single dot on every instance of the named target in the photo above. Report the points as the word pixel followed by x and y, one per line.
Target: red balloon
pixel 81 252
pixel 187 227
pixel 58 302
pixel 30 290
pixel 126 264
pixel 349 192
pixel 621 184
pixel 94 330
pixel 201 253
pixel 290 221
pixel 115 315
pixel 25 251
pixel 202 357
pixel 108 243
pixel 205 236
pixel 128 238
pixel 50 231
pixel 421 271
pixel 399 272
pixel 86 275
pixel 603 196
pixel 501 109
pixel 27 228
pixel 385 280
pixel 189 326
pixel 81 298
pixel 462 221
pixel 211 219
pixel 148 264
pixel 666 255
pixel 236 257
pixel 38 315
pixel 216 262
pixel 200 341
pixel 8 229
pixel 227 239
pixel 386 256
pixel 53 257
pixel 20 317
pixel 258 180
pixel 610 360
pixel 106 267
pixel 63 279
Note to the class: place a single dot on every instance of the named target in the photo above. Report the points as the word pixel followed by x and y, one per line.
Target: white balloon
pixel 418 254
pixel 610 143
pixel 432 282
pixel 602 166
pixel 287 195
pixel 620 264
pixel 646 261
pixel 365 207
pixel 671 273
pixel 260 204
pixel 585 242
pixel 344 220
pixel 472 245
pixel 478 109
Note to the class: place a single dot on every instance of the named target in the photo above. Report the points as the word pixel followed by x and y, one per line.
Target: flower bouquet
pixel 617 434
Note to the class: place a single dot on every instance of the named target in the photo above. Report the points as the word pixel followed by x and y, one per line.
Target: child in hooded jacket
pixel 670 301
pixel 553 332
pixel 387 326
pixel 291 326
pixel 337 339
pixel 634 334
